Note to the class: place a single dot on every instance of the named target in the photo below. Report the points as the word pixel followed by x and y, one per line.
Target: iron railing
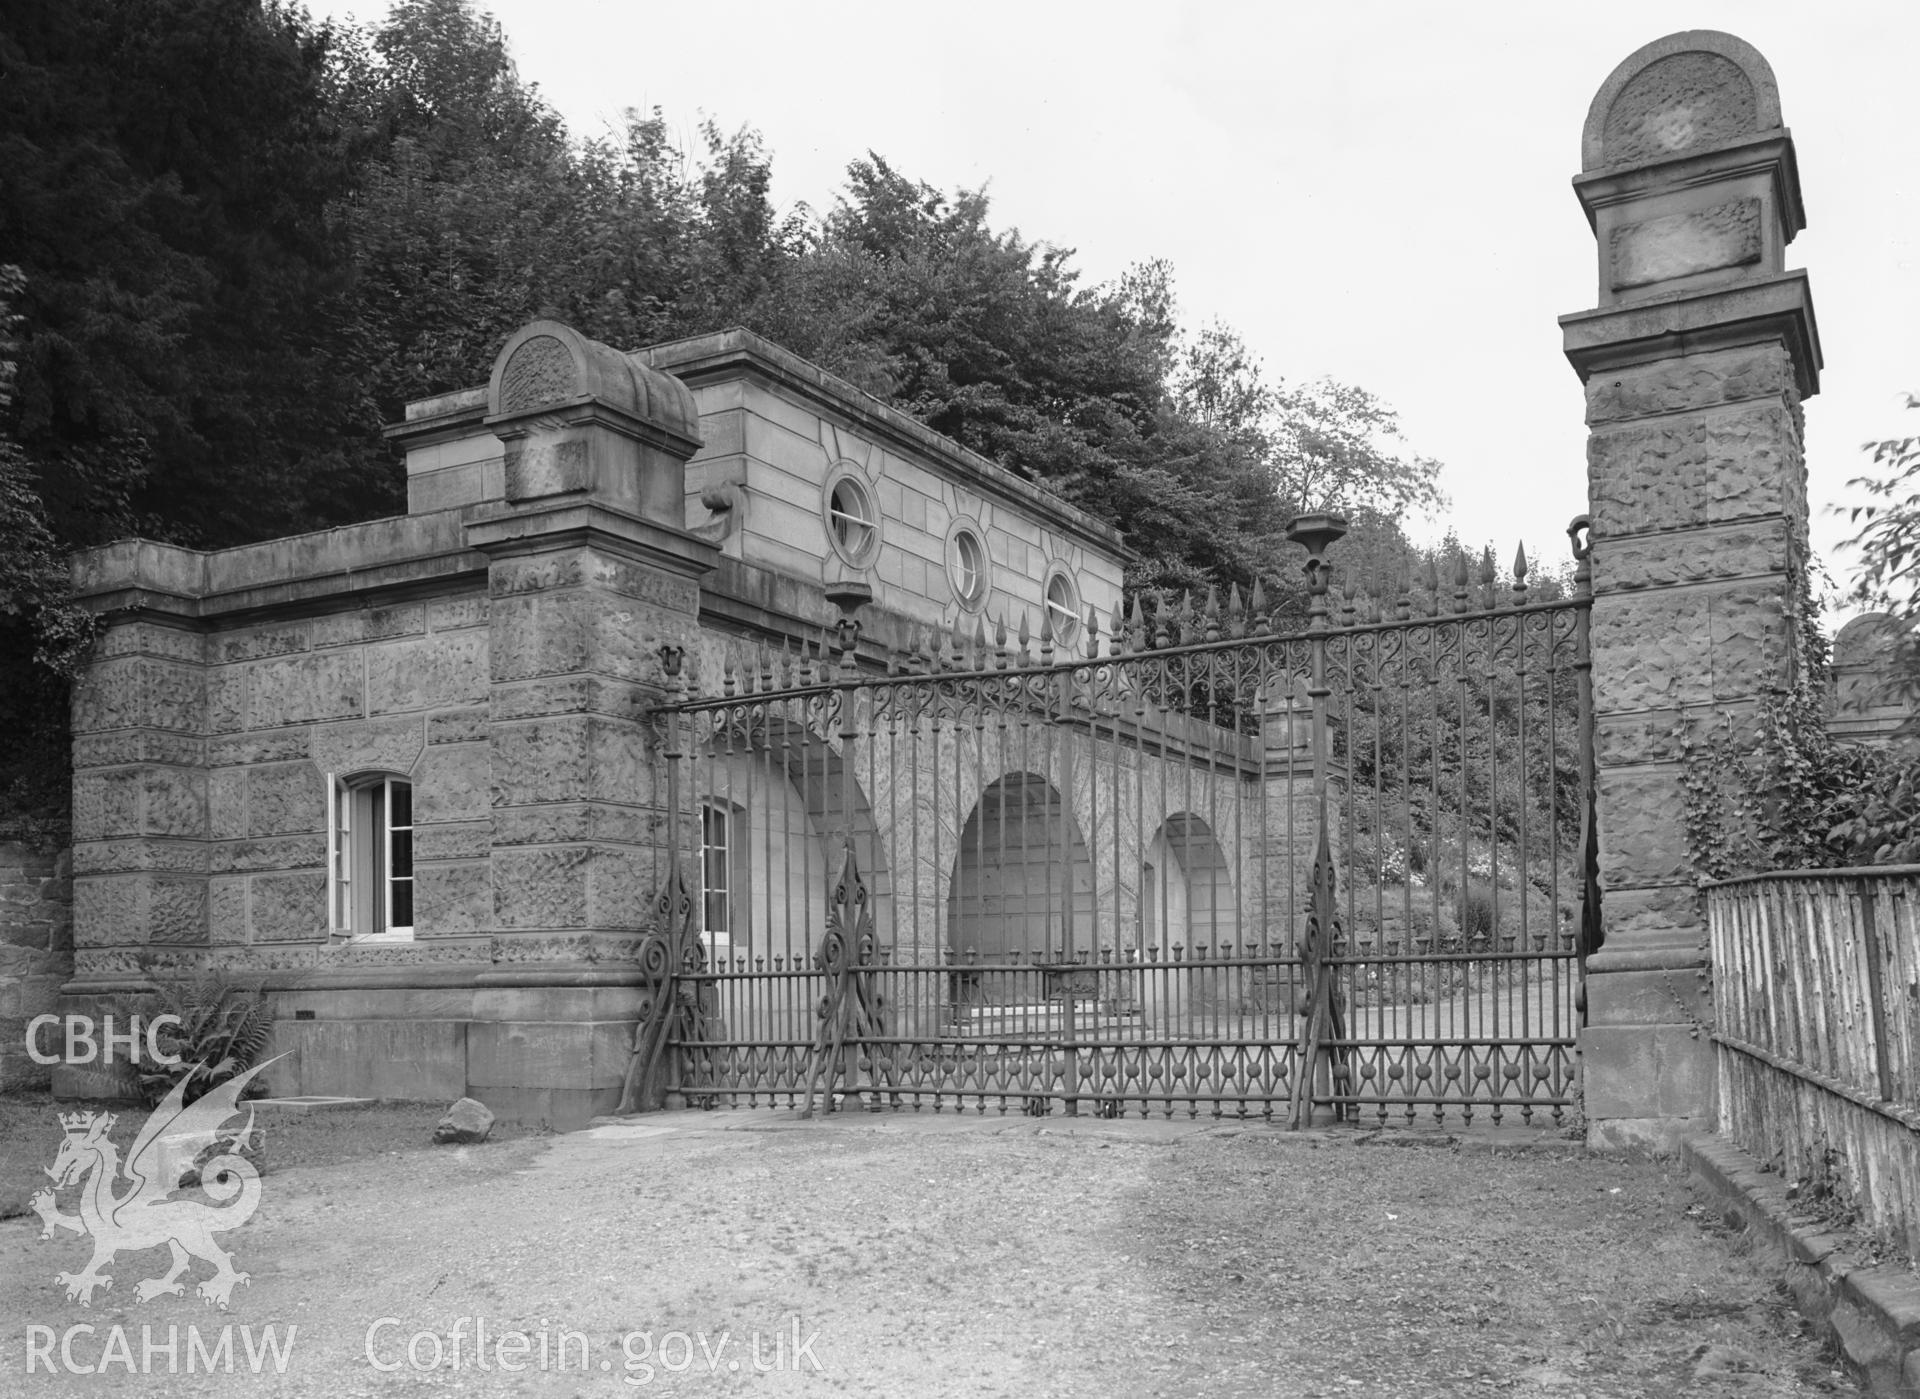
pixel 1189 863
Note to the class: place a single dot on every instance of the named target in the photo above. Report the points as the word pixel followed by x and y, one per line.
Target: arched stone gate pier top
pixel 1690 92
pixel 1695 358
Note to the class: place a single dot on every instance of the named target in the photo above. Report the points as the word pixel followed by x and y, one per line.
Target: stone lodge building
pixel 400 770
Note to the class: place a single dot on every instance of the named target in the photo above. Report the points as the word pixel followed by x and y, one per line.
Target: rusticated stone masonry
pixel 36 952
pixel 1695 364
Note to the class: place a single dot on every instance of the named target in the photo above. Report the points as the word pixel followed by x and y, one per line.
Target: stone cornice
pixel 394 555
pixel 1769 152
pixel 1724 317
pixel 501 531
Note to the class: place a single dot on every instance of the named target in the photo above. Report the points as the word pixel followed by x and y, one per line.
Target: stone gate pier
pixel 1696 361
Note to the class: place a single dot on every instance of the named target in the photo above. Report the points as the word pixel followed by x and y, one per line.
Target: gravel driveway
pixel 747 1253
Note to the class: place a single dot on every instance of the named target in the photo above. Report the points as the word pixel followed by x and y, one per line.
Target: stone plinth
pixel 1695 361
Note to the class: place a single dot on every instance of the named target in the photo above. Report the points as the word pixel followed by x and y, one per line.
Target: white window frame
pixel 1065 616
pixel 959 567
pixel 361 852
pixel 860 544
pixel 732 820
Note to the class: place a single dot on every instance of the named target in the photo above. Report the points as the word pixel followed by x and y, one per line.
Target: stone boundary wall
pixel 36 952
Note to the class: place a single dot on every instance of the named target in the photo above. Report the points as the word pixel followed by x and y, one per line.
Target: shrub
pixel 224 1027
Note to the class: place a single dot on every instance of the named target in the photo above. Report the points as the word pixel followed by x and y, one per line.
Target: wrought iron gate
pixel 1188 864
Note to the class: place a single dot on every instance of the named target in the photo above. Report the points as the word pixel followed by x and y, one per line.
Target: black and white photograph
pixel 1052 700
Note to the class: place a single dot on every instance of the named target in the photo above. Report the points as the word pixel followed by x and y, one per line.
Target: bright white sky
pixel 1370 190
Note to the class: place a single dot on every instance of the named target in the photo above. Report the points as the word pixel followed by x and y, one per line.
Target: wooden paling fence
pixel 1817 995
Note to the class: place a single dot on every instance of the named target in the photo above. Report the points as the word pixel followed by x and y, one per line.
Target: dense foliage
pixel 243 239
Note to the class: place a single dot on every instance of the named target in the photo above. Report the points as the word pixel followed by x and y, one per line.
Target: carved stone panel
pixel 541 371
pixel 1688 101
pixel 1679 245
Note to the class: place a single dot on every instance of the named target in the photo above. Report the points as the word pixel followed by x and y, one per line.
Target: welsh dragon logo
pixel 143 1216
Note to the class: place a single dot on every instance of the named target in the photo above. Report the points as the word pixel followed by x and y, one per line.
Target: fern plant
pixel 223 1027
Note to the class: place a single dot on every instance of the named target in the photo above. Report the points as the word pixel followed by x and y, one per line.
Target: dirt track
pixel 960 1256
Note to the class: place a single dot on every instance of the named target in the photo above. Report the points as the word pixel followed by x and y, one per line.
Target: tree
pixel 170 164
pixel 41 633
pixel 1889 537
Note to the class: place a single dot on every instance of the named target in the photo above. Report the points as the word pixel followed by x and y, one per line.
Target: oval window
pixel 851 523
pixel 967 568
pixel 1063 606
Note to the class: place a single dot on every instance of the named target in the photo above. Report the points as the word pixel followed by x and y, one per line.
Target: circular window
pixel 967 567
pixel 1063 606
pixel 852 523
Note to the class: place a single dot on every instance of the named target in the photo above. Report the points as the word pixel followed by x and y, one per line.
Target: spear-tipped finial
pixel 1520 573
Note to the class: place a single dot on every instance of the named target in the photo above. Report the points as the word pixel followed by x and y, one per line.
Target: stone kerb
pixel 1695 363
